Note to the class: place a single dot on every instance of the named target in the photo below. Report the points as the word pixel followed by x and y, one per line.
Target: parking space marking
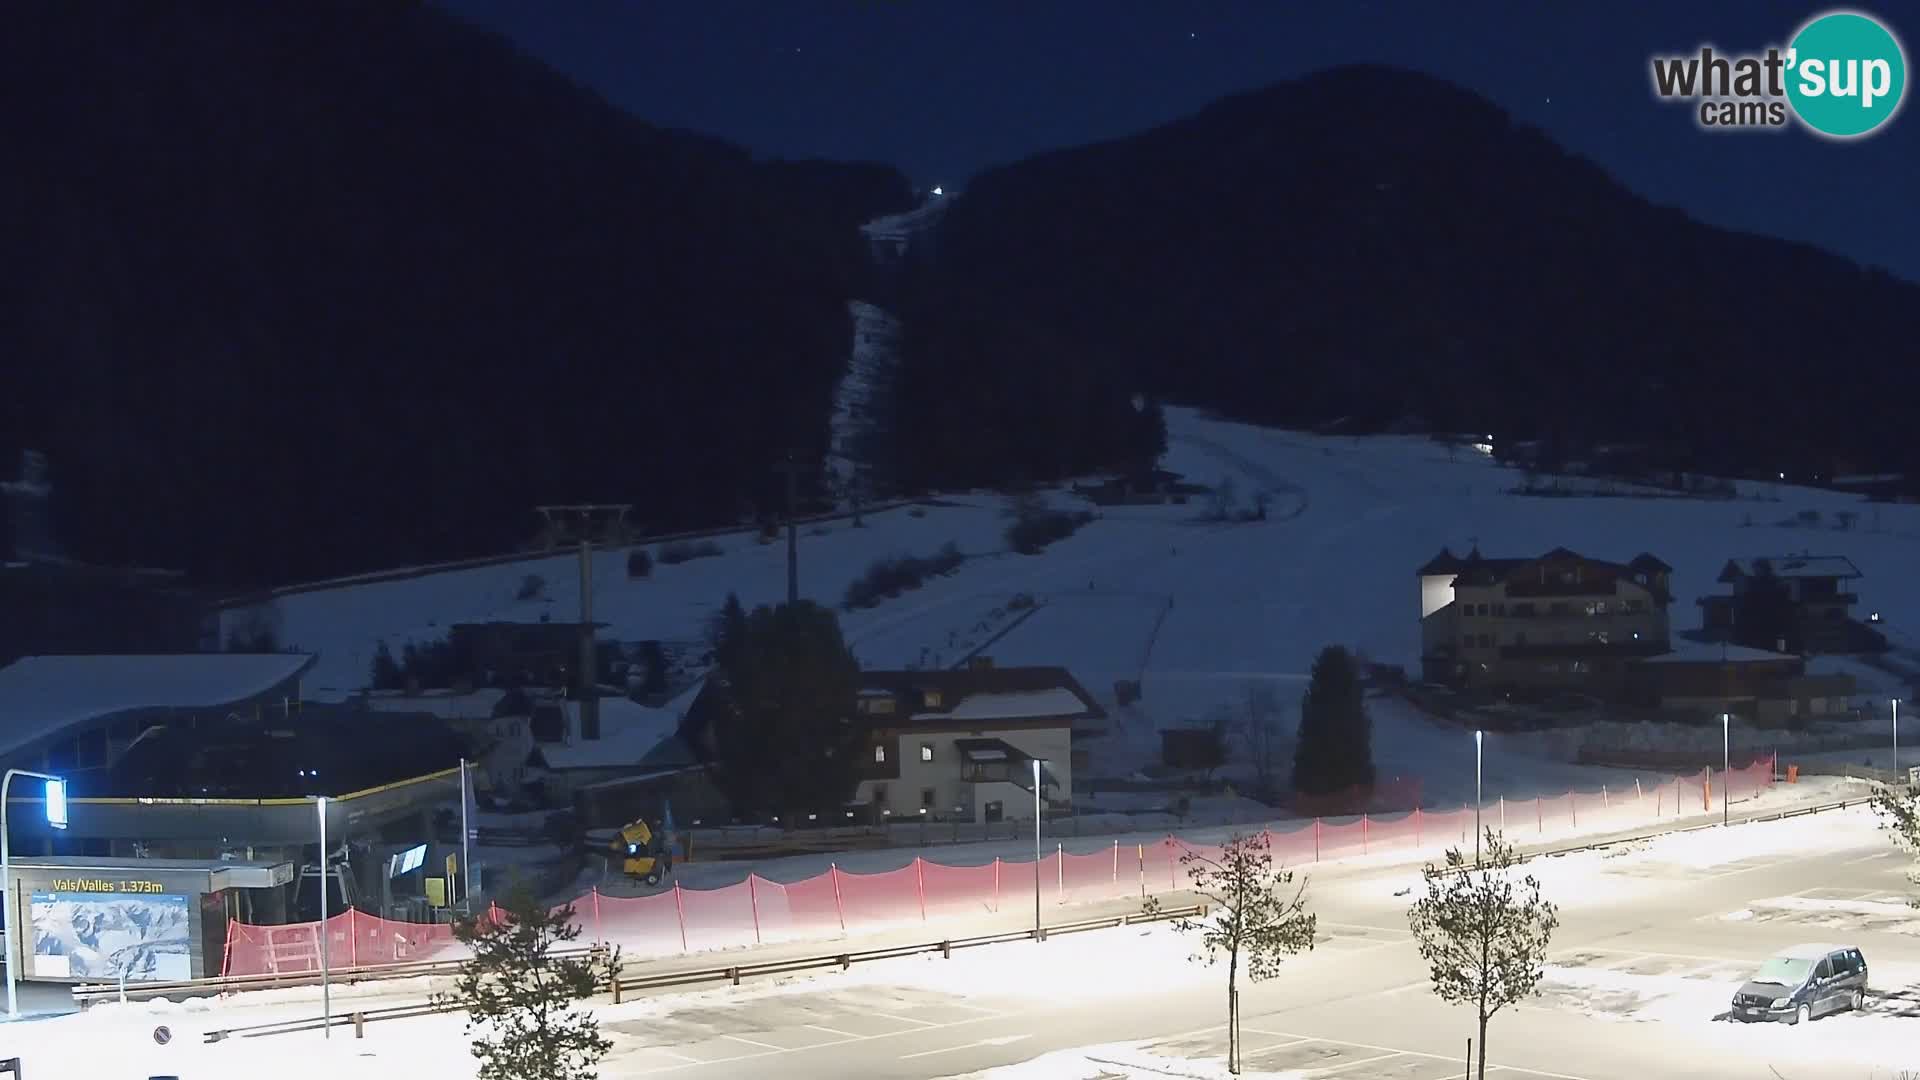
pixel 690 1062
pixel 833 1031
pixel 1869 858
pixel 1329 1070
pixel 1389 1051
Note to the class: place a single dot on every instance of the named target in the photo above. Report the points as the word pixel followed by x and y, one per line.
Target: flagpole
pixel 466 833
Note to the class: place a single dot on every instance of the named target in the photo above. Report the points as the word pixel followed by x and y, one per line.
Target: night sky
pixel 945 89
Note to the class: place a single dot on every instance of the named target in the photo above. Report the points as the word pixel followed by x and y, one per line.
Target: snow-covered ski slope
pixel 1196 610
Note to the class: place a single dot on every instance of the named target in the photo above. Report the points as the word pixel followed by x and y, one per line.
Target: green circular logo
pixel 1846 74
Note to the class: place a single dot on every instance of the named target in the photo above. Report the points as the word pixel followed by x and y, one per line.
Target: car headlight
pixel 1781 1003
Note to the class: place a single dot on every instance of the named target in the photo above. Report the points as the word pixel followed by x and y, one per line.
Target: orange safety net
pixel 758 910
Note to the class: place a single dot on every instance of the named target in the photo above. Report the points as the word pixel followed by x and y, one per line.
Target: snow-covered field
pixel 1197 612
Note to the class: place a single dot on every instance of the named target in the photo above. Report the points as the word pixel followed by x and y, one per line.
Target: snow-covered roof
pixel 1023 705
pixel 629 731
pixel 1714 654
pixel 445 704
pixel 42 695
pixel 1792 566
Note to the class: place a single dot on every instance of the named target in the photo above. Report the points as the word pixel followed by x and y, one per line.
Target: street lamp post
pixel 1896 740
pixel 326 988
pixel 1036 849
pixel 1478 736
pixel 57 817
pixel 1727 763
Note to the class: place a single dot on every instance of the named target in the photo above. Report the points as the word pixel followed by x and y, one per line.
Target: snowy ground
pixel 1197 612
pixel 1101 1004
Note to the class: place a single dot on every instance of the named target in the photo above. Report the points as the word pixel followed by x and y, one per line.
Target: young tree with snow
pixel 520 998
pixel 1899 811
pixel 1254 919
pixel 1261 735
pixel 1483 935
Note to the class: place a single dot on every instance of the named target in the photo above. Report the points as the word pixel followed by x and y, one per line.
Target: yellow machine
pixel 643 853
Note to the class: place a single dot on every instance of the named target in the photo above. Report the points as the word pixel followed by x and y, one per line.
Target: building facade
pixel 961 745
pixel 1556 621
pixel 1818 591
pixel 1761 687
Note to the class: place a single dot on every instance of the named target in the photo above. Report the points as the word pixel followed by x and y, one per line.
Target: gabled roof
pixel 1792 566
pixel 992 693
pixel 42 695
pixel 1648 564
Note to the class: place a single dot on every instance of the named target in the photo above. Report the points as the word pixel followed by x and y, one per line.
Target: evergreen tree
pixel 385 673
pixel 782 730
pixel 519 997
pixel 1763 613
pixel 1334 751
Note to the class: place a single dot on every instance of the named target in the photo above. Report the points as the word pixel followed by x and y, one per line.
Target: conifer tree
pixel 520 998
pixel 1335 747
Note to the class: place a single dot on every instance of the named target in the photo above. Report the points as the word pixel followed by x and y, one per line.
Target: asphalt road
pixel 1359 1005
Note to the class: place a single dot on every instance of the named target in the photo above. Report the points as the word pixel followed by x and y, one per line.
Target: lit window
pixel 926 752
pixel 880 755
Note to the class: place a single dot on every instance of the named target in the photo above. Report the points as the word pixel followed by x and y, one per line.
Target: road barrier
pixel 759 911
pixel 619 986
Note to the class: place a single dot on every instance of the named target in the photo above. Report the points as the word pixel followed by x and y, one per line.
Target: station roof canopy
pixel 41 696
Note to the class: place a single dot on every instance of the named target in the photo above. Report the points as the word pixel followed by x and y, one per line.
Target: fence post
pixel 1141 851
pixel 1604 803
pixel 1638 795
pixel 920 884
pixel 599 932
pixel 1363 834
pixel 226 951
pixel 1059 873
pixel 753 899
pixel 833 871
pixel 1116 866
pixel 1539 816
pixel 996 884
pixel 1171 883
pixel 1316 839
pixel 680 908
pixel 1416 827
pixel 353 937
pixel 1573 806
pixel 1503 814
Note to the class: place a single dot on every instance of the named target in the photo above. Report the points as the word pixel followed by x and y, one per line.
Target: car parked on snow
pixel 1802 983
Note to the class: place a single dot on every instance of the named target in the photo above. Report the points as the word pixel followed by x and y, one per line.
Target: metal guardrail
pixel 732 973
pixel 93 993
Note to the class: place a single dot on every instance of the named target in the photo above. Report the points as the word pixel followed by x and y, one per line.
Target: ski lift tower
pixel 589 523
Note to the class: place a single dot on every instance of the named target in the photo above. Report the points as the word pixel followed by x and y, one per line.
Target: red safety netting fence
pixel 757 910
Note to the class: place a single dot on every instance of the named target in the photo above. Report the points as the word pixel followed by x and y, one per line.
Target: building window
pixel 926 798
pixel 879 705
pixel 1500 609
pixel 1557 609
pixel 926 751
pixel 1597 607
pixel 1525 609
pixel 932 698
pixel 879 755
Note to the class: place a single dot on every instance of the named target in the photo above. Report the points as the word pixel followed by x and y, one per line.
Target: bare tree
pixel 1899 811
pixel 1262 735
pixel 1483 935
pixel 1251 920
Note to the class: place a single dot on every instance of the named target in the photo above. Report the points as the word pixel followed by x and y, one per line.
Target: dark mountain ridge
pixel 1377 244
pixel 299 290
